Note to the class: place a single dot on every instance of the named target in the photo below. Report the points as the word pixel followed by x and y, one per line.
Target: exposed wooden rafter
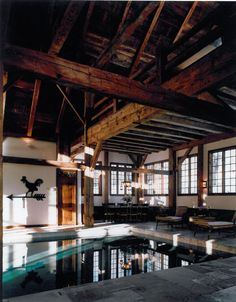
pixel 147 37
pixel 69 18
pixel 74 74
pixel 34 104
pixel 124 34
pixel 186 20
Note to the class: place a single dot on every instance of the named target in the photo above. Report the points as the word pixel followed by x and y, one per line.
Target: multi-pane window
pixel 113 263
pixel 95 266
pixel 188 176
pixel 157 184
pixel 150 181
pixel 222 171
pixel 97 181
pixel 161 179
pixel 117 180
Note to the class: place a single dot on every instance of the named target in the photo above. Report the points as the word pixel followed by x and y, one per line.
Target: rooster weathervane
pixel 32 187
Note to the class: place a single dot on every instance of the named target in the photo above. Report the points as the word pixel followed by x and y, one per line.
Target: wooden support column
pixel 106 177
pixel 88 218
pixel 172 178
pixel 200 190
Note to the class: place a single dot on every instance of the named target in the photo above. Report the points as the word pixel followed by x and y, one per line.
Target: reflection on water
pixel 35 267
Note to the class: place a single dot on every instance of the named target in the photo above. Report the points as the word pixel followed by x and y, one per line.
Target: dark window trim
pixel 145 176
pixel 179 178
pixel 125 164
pixel 223 176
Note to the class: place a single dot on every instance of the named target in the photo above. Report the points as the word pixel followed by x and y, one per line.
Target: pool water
pixel 40 266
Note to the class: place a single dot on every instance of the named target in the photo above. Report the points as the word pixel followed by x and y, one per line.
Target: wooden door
pixel 67 197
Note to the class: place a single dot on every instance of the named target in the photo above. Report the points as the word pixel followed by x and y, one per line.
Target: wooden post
pixel 172 178
pixel 200 190
pixel 88 218
pixel 106 178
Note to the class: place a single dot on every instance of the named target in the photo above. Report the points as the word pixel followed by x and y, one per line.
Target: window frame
pixel 209 186
pixel 162 181
pixel 117 178
pixel 189 177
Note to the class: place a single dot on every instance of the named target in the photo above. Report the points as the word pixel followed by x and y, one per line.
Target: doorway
pixel 67 197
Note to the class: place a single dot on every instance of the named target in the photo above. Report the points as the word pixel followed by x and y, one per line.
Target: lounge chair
pixel 173 220
pixel 212 226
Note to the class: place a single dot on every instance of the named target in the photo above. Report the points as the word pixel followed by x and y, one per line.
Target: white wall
pixel 29 148
pixel 29 211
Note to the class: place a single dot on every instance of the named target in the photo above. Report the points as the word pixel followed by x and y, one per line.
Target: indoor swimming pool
pixel 41 266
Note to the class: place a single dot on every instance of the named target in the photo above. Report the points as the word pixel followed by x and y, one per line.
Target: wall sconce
pixel 204 184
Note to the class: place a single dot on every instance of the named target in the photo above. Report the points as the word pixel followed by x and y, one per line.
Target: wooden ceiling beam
pixel 147 37
pixel 186 20
pixel 88 17
pixel 119 122
pixel 163 125
pixel 78 75
pixel 120 150
pixel 191 124
pixel 167 132
pixel 68 20
pixel 206 140
pixel 136 147
pixel 138 143
pixel 124 146
pixel 149 136
pixel 205 73
pixel 34 104
pixel 124 34
pixel 152 139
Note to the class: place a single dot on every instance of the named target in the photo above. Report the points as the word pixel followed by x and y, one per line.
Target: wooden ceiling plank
pixel 147 37
pixel 34 104
pixel 156 136
pixel 168 132
pixel 137 138
pixel 119 150
pixel 88 17
pixel 124 34
pixel 184 129
pixel 199 125
pixel 133 145
pixel 138 143
pixel 124 146
pixel 186 20
pixel 206 140
pixel 90 78
pixel 68 20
